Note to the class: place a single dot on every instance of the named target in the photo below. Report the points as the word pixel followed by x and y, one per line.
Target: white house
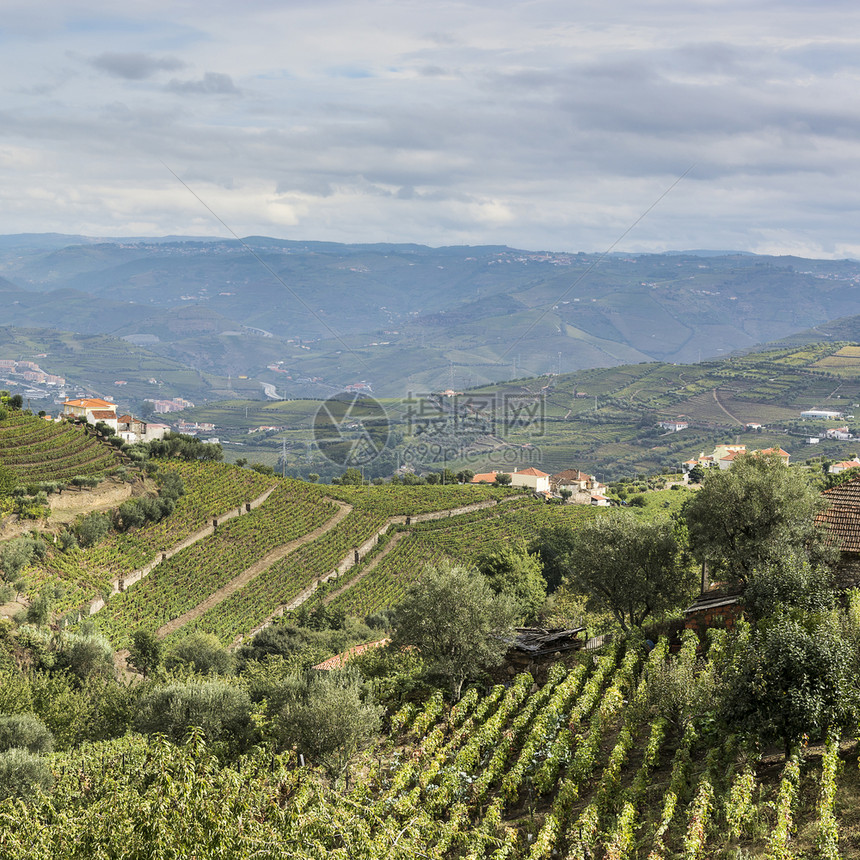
pixel 532 478
pixel 674 426
pixel 844 466
pixel 133 429
pixel 94 409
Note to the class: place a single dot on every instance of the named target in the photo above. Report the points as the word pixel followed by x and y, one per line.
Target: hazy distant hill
pixel 407 316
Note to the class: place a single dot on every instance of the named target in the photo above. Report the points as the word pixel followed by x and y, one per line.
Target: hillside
pixel 617 750
pixel 578 766
pixel 37 450
pixel 310 317
pixel 603 420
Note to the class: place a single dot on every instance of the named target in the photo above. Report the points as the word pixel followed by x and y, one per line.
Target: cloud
pixel 212 83
pixel 134 66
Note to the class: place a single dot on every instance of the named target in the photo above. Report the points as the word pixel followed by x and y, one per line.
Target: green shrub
pixel 23 774
pixel 25 731
pixel 221 709
pixel 92 528
pixel 201 652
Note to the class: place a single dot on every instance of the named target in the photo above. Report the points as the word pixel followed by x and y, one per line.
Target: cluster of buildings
pixel 585 489
pixel 177 404
pixel 127 427
pixel 724 455
pixel 843 434
pixel 29 371
pixel 195 427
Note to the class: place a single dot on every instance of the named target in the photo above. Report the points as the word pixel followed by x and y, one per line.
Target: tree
pixel 553 546
pixel 16 555
pixel 352 477
pixel 788 583
pixel 87 654
pixel 145 652
pixel 23 774
pixel 786 680
pixel 92 528
pixel 201 652
pixel 696 475
pixel 456 622
pixel 514 572
pixel 629 567
pixel 25 731
pixel 220 708
pixel 503 479
pixel 747 515
pixel 332 722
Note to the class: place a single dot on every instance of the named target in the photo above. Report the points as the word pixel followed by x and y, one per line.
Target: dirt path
pixel 350 560
pixel 717 401
pixel 253 571
pixel 136 575
pixel 373 563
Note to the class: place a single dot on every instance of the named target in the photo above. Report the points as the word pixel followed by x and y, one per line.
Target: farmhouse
pixel 532 478
pixel 844 466
pixel 674 426
pixel 484 478
pixel 92 409
pixel 133 429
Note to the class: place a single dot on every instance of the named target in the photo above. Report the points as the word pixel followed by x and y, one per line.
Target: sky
pixel 543 124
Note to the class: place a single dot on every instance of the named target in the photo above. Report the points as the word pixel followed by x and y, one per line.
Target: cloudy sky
pixel 542 124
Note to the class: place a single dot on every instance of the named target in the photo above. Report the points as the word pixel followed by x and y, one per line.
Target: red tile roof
pixel 570 475
pixel 842 517
pixel 485 478
pixel 532 472
pixel 91 403
pixel 104 415
pixel 339 660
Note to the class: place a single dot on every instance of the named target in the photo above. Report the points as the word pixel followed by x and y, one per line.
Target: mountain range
pixel 309 318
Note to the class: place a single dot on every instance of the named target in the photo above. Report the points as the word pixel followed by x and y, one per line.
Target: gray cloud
pixel 212 83
pixel 134 66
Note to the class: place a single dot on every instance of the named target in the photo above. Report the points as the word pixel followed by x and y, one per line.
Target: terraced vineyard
pixel 211 489
pixel 256 563
pixel 580 767
pixel 180 583
pixel 38 450
pixel 461 537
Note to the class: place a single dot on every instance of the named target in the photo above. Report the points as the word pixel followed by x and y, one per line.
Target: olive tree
pixel 331 722
pixel 747 515
pixel 457 623
pixel 513 571
pixel 25 731
pixel 629 567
